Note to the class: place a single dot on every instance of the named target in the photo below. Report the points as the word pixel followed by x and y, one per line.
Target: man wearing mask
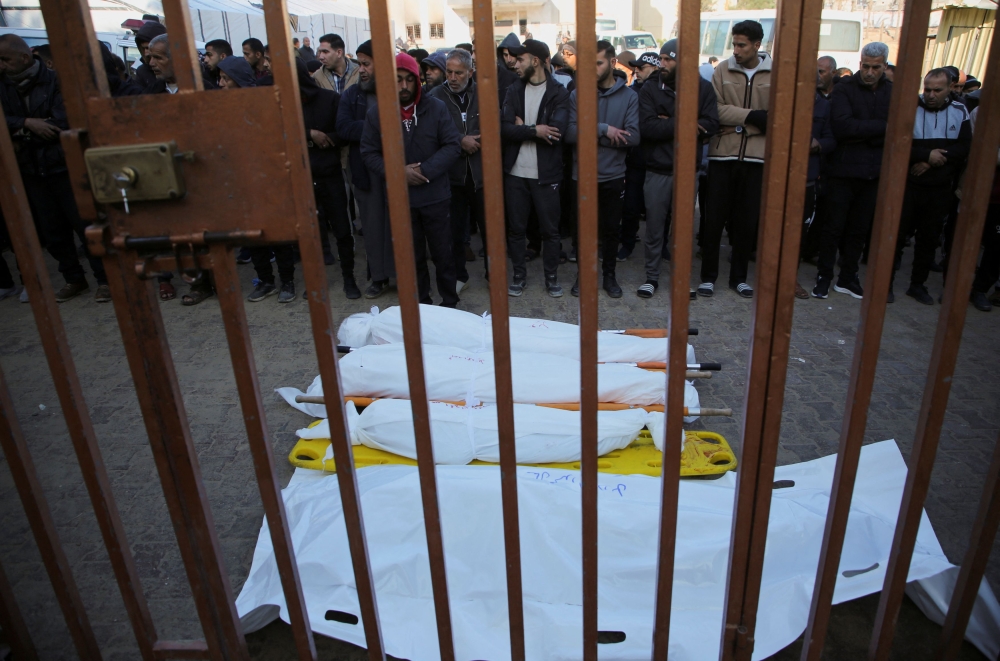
pixel 368 190
pixel 534 119
pixel 657 125
pixel 859 114
pixel 337 73
pixel 461 97
pixel 942 137
pixel 33 108
pixel 617 131
pixel 736 158
pixel 432 146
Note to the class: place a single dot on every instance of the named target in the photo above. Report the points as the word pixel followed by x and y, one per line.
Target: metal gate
pixel 198 232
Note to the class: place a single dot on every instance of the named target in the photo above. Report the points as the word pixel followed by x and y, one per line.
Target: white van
pixel 839 34
pixel 121 44
pixel 637 42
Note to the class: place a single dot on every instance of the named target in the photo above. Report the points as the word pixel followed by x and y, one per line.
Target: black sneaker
pixel 623 254
pixel 611 286
pixel 822 288
pixel 262 291
pixel 576 287
pixel 743 289
pixel 376 289
pixel 351 289
pixel 287 294
pixel 572 255
pixel 980 302
pixel 919 292
pixel 329 259
pixel 516 287
pixel 851 288
pixel 243 257
pixel 647 290
pixel 553 287
pixel 706 289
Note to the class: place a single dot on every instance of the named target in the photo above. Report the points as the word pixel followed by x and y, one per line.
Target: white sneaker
pixel 459 286
pixel 4 293
pixel 24 295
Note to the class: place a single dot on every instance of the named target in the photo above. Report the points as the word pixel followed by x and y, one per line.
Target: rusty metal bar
pixel 52 333
pixel 185 649
pixel 687 152
pixel 783 196
pixel 227 285
pixel 587 204
pixel 951 320
pixel 36 508
pixel 970 576
pixel 13 624
pixel 496 251
pixel 187 66
pixel 162 407
pixel 398 195
pixel 892 186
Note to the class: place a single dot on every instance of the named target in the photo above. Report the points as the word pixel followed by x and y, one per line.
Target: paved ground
pixel 821 349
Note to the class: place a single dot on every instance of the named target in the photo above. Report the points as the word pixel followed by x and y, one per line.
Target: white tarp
pixel 550 520
pixel 461 434
pixel 455 328
pixel 457 375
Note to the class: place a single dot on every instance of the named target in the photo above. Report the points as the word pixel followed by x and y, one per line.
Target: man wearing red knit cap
pixel 433 144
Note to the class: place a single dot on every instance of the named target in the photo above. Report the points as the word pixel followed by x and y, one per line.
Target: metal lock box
pixel 136 173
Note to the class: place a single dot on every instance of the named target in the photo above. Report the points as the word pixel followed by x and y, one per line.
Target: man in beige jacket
pixel 736 158
pixel 338 72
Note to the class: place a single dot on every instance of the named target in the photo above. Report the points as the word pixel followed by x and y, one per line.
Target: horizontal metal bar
pixel 183 649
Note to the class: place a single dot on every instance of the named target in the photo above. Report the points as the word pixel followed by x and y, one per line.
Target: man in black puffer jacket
pixel 859 114
pixel 460 96
pixel 942 137
pixel 432 146
pixel 33 107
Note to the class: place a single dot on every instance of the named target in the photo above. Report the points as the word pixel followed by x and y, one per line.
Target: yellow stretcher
pixel 705 455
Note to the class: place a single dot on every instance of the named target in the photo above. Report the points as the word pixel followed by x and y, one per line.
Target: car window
pixel 840 36
pixel 640 41
pixel 716 37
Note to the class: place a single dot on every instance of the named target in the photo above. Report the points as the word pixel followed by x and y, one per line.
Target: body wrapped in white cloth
pixel 452 375
pixel 464 330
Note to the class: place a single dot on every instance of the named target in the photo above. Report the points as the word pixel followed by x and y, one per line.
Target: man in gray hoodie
pixel 617 130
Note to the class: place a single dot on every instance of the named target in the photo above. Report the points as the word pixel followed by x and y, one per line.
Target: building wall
pixel 963 40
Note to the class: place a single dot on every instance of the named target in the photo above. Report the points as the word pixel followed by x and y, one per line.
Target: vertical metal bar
pixel 398 194
pixel 687 152
pixel 970 576
pixel 77 54
pixel 586 149
pixel 234 318
pixel 187 66
pixel 36 507
pixel 951 320
pixel 52 333
pixel 784 182
pixel 892 185
pixel 162 407
pixel 496 250
pixel 13 624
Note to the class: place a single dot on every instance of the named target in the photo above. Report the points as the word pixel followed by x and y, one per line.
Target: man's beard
pixel 464 87
pixel 407 101
pixel 367 85
pixel 528 73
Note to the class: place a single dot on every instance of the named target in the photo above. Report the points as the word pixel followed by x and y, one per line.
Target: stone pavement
pixel 821 348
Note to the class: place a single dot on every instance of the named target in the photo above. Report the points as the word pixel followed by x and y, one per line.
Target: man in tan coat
pixel 736 158
pixel 338 72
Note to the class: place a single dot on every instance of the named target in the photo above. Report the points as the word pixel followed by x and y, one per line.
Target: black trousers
pixel 733 197
pixel 633 206
pixel 466 206
pixel 610 202
pixel 56 219
pixel 432 229
pixel 331 202
pixel 989 265
pixel 808 217
pixel 284 256
pixel 521 196
pixel 6 277
pixel 925 210
pixel 850 207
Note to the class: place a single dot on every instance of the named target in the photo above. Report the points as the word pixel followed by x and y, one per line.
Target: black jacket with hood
pixel 38 96
pixel 859 117
pixel 467 125
pixel 505 77
pixel 658 96
pixel 553 111
pixel 319 112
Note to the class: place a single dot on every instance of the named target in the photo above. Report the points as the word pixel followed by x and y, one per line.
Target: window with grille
pixel 413 31
pixel 437 30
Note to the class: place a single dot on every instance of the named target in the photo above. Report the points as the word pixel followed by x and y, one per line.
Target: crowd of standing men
pixel 439 115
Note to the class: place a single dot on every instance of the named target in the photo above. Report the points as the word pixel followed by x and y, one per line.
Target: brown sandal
pixel 196 296
pixel 167 292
